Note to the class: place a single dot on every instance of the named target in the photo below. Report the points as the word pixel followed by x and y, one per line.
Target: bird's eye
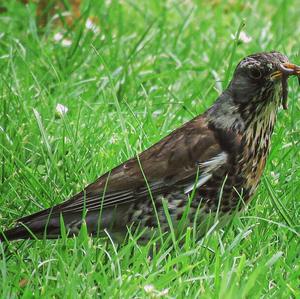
pixel 255 73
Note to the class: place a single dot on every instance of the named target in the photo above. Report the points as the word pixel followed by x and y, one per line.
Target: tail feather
pixel 48 225
pixel 14 234
pixel 17 233
pixel 32 230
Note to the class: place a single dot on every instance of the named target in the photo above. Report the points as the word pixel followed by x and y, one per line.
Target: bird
pixel 207 170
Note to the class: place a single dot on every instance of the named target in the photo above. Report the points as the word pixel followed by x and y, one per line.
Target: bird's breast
pixel 256 146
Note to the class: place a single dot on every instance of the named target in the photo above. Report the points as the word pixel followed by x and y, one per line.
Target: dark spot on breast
pixel 225 209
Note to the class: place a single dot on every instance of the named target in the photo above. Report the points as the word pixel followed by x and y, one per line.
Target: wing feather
pixel 171 163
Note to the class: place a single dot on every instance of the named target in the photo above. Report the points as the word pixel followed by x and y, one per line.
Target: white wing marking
pixel 206 169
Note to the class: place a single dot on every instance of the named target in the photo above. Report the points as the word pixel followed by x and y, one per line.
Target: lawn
pixel 129 72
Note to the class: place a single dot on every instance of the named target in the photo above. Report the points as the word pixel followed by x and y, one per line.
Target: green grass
pixel 153 66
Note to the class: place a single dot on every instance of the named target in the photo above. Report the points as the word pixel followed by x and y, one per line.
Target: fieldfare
pixel 212 164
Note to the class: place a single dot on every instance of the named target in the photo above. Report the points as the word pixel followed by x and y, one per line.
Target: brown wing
pixel 168 163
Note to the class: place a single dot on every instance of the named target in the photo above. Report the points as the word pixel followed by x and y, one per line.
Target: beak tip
pixel 289 69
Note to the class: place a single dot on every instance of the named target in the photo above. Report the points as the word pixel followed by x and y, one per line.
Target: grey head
pixel 259 81
pixel 254 79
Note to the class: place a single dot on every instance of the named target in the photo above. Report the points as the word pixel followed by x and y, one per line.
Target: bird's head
pixel 261 79
pixel 258 87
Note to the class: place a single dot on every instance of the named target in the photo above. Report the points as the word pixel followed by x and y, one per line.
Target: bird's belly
pixel 180 211
pixel 208 207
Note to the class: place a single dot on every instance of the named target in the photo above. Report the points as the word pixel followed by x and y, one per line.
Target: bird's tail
pixel 34 229
pixel 15 233
pixel 49 225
